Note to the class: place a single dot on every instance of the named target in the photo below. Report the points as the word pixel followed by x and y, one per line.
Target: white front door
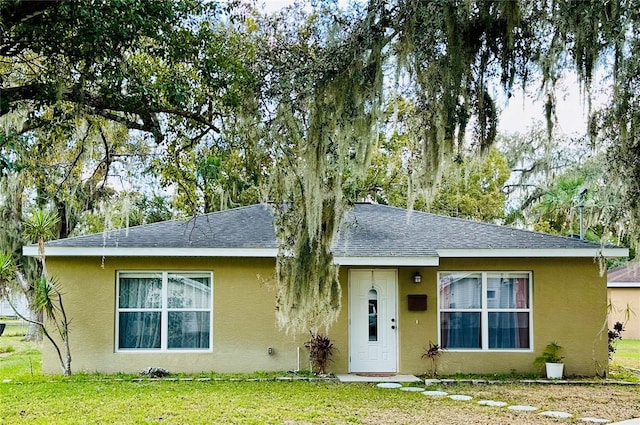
pixel 373 321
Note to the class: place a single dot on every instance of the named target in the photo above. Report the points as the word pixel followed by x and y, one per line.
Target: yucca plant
pixel 39 227
pixel 49 301
pixel 320 351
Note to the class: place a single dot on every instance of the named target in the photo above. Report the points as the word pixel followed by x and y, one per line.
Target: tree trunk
pixel 34 333
pixel 66 370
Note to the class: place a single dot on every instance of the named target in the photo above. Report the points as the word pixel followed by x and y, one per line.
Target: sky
pixel 524 109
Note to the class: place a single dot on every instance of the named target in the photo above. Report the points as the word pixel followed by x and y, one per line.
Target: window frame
pixel 484 310
pixel 164 311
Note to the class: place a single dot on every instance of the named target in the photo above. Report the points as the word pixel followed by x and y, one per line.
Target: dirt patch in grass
pixel 615 403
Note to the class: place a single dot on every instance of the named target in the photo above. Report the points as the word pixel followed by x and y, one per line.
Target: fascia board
pixel 59 251
pixel 534 252
pixel 623 284
pixel 387 261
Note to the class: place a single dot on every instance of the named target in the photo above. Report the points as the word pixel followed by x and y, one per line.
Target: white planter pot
pixel 554 370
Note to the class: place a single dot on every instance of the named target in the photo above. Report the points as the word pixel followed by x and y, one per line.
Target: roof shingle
pixel 369 230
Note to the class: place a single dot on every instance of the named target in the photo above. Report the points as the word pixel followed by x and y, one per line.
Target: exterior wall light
pixel 417 278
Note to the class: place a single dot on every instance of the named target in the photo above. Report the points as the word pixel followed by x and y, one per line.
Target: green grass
pixel 196 402
pixel 85 400
pixel 626 359
pixel 26 395
pixel 13 327
pixel 7 349
pixel 19 360
pixel 629 349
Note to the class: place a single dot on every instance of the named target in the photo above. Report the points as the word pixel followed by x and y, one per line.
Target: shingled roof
pixel 627 276
pixel 370 234
pixel 245 227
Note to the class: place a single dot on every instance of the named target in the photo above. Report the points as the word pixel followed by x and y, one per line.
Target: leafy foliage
pixel 473 191
pixel 322 127
pixel 7 269
pixel 614 335
pixel 47 296
pixel 95 56
pixel 321 349
pixel 551 354
pixel 433 352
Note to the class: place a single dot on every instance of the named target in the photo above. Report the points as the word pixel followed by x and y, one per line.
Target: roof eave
pixel 623 284
pixel 534 252
pixel 67 251
pixel 427 261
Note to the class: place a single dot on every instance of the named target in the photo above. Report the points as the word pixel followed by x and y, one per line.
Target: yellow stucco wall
pixel 569 306
pixel 243 317
pixel 625 308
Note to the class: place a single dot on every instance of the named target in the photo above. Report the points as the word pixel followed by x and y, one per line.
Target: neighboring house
pixel 19 302
pixel 623 289
pixel 195 295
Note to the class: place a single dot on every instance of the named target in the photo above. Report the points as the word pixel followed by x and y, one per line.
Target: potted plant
pixel 552 360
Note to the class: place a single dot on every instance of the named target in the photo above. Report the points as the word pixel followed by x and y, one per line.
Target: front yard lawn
pixel 628 353
pixel 83 399
pixel 87 401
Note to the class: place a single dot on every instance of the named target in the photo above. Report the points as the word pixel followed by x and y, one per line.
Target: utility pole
pixel 582 195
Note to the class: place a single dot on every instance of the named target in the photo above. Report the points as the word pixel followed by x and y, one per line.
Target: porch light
pixel 417 278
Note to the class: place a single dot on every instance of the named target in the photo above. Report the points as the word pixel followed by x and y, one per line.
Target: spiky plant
pixel 7 273
pixel 432 353
pixel 321 349
pixel 39 227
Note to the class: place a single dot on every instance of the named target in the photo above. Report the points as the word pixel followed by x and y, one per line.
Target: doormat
pixel 376 375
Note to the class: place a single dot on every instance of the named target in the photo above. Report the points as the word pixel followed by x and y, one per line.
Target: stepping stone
pixel 596 420
pixel 388 385
pixel 435 393
pixel 555 414
pixel 460 397
pixel 411 389
pixel 522 408
pixel 492 403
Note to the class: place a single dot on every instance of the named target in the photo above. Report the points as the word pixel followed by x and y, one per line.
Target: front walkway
pixel 395 382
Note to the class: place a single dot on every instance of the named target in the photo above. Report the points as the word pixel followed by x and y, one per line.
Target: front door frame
pixel 391 365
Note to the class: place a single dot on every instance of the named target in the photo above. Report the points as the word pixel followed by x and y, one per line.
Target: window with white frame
pixel 485 310
pixel 164 311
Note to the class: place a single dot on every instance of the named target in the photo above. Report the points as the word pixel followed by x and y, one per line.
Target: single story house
pixel 19 301
pixel 623 290
pixel 194 296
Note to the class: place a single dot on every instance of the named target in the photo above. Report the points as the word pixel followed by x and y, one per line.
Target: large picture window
pixel 164 311
pixel 485 310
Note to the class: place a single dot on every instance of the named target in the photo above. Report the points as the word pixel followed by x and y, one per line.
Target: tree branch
pixel 115 110
pixel 14 12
